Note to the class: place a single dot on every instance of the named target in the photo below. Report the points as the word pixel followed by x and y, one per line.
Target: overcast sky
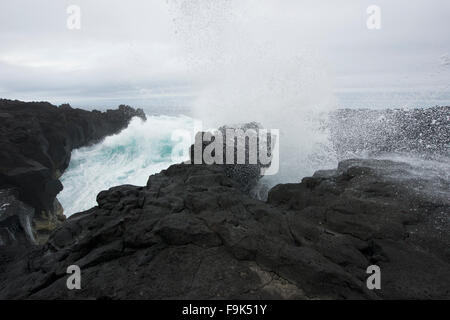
pixel 136 51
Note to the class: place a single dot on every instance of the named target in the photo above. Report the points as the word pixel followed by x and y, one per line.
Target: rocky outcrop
pixel 15 219
pixel 36 140
pixel 191 233
pixel 232 146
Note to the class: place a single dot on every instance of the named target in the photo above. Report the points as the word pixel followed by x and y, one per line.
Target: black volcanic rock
pixel 239 139
pixel 194 232
pixel 15 219
pixel 191 233
pixel 36 141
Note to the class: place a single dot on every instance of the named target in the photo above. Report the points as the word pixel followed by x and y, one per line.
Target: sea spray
pixel 130 157
pixel 248 68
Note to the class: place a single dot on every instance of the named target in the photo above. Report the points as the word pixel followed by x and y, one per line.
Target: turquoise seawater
pixel 130 157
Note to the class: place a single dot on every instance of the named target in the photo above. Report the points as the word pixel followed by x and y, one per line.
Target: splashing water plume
pixel 129 157
pixel 252 62
pixel 249 67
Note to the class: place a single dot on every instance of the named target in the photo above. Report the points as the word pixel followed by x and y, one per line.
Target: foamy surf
pixel 130 157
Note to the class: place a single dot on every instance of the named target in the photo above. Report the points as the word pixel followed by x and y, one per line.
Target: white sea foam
pixel 241 73
pixel 130 157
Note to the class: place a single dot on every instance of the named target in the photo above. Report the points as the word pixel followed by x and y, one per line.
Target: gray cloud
pixel 131 50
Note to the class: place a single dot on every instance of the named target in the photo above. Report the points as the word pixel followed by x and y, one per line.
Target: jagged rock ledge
pixel 36 140
pixel 191 233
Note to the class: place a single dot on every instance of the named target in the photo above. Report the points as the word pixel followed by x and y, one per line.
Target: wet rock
pixel 15 219
pixel 36 140
pixel 192 233
pixel 234 148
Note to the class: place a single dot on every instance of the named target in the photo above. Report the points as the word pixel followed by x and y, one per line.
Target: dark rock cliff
pixel 36 140
pixel 191 233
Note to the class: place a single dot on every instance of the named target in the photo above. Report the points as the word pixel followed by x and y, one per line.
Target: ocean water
pixel 385 98
pixel 129 157
pixel 147 147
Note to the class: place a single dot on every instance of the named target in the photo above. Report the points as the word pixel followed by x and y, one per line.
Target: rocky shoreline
pixel 191 233
pixel 36 142
pixel 194 232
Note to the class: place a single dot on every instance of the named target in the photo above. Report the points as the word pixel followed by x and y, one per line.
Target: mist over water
pixel 240 74
pixel 244 67
pixel 249 68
